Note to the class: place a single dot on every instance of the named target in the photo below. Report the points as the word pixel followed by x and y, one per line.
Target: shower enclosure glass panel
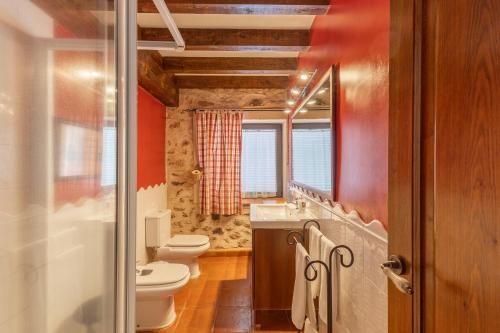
pixel 58 166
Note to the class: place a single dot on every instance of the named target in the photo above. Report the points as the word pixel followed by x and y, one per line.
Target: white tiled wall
pixel 148 200
pixel 363 286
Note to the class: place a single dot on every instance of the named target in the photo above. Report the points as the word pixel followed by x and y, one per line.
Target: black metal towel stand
pixel 291 239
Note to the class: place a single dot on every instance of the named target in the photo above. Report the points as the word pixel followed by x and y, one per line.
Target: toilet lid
pixel 187 240
pixel 163 273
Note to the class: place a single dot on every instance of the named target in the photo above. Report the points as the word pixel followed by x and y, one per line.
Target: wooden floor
pixel 220 300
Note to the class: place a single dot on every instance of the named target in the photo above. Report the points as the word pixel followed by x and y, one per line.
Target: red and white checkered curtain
pixel 218 135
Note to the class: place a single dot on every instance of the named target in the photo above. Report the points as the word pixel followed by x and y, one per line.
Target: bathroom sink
pixel 277 215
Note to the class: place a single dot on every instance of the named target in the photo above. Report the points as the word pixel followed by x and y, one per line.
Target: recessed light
pixel 89 74
pixel 322 91
pixel 303 110
pixel 290 102
pixel 304 76
pixel 295 91
pixel 287 110
pixel 311 102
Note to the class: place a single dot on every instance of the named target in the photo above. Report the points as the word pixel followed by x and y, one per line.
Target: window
pixel 261 161
pixel 311 155
pixel 108 167
pixel 76 151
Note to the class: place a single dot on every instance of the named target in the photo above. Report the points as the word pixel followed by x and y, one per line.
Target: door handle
pixel 393 268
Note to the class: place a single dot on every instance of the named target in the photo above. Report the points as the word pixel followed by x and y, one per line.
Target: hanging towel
pixel 309 327
pixel 299 289
pixel 326 247
pixel 315 253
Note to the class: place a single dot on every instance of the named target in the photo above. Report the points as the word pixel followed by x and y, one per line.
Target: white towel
pixel 315 253
pixel 309 327
pixel 299 289
pixel 326 247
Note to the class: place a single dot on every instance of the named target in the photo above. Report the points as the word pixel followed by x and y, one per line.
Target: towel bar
pixel 291 238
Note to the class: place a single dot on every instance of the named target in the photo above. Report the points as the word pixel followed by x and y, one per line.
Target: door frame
pixel 405 161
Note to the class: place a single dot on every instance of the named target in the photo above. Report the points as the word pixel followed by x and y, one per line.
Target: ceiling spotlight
pixel 304 76
pixel 311 102
pixel 287 110
pixel 290 102
pixel 322 91
pixel 89 74
pixel 303 110
pixel 295 91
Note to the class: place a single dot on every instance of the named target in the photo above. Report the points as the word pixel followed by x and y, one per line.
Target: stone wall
pixel 182 193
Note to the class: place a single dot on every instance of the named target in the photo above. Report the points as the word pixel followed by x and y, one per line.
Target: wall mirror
pixel 313 140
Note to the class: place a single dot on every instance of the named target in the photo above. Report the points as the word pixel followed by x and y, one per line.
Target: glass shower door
pixel 59 145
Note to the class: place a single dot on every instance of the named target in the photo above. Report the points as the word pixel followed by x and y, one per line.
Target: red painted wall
pixel 151 117
pixel 354 35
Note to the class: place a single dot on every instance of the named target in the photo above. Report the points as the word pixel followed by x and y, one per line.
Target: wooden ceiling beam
pixel 244 7
pixel 242 2
pixel 234 39
pixel 152 77
pixel 234 65
pixel 232 82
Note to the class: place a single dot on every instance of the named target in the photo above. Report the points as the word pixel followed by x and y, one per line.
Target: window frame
pixel 278 126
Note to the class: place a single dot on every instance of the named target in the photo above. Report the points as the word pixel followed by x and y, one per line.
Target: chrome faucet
pixel 300 203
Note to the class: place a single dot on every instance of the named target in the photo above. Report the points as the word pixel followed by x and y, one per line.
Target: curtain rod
pixel 238 109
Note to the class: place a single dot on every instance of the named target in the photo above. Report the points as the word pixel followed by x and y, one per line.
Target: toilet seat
pixel 163 274
pixel 184 249
pixel 187 241
pixel 155 290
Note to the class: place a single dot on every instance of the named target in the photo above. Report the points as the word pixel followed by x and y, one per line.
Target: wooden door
pixel 444 180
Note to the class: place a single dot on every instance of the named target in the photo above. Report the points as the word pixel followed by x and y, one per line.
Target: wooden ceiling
pixel 229 43
pixel 164 74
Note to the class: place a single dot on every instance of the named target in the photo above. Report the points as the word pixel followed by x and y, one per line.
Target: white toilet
pixel 182 249
pixel 156 285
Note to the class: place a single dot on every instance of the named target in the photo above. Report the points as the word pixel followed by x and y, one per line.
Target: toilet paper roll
pixel 197 174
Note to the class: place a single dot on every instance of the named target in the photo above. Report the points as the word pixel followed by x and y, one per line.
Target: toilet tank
pixel 157 228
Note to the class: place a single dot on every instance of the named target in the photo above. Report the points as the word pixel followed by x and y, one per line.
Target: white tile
pixel 363 287
pixel 374 308
pixel 375 253
pixel 150 199
pixel 334 230
pixel 352 319
pixel 352 277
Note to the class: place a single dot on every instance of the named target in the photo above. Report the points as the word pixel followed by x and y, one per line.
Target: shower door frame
pixel 126 72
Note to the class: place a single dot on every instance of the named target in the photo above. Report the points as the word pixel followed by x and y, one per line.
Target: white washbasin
pixel 277 215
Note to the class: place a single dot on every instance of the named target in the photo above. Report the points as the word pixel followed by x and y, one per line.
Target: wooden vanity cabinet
pixel 273 271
